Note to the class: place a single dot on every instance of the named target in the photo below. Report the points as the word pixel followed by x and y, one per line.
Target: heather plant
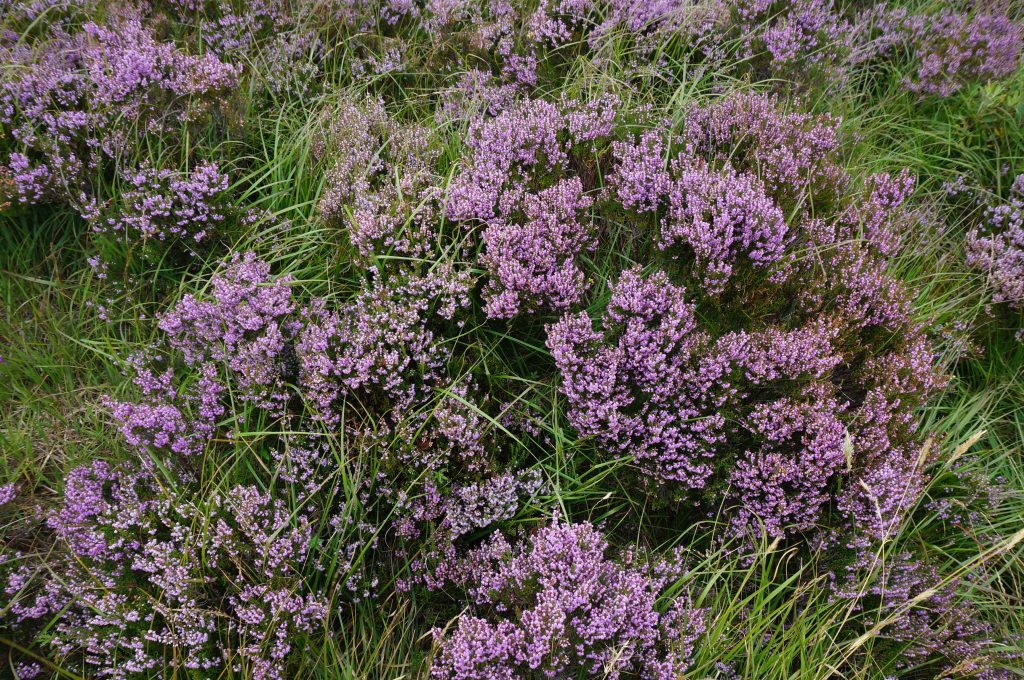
pixel 674 393
pixel 536 226
pixel 373 369
pixel 382 185
pixel 803 40
pixel 164 207
pixel 557 604
pixel 948 49
pixel 78 99
pixel 796 155
pixel 235 340
pixel 146 583
pixel 996 248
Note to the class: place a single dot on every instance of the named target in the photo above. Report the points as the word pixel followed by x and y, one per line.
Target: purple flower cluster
pixel 558 605
pixel 719 215
pixel 381 184
pixel 234 341
pixel 877 217
pixel 533 265
pixel 245 327
pixel 517 183
pixel 147 587
pixel 507 152
pixel 648 350
pixel 374 367
pixel 997 248
pixel 811 31
pixel 784 482
pixel 952 48
pixel 949 48
pixel 77 100
pixel 160 205
pixel 378 352
pixel 779 390
pixel 792 152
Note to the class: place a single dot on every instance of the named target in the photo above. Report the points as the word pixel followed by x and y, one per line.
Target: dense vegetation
pixel 511 339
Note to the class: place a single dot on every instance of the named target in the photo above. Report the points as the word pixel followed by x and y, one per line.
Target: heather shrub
pixel 556 605
pixel 996 247
pixel 79 97
pixel 948 49
pixel 518 183
pixel 803 40
pixel 373 370
pixel 269 34
pixel 796 155
pixel 382 185
pixel 161 207
pixel 812 394
pixel 887 575
pixel 379 352
pixel 235 342
pixel 150 581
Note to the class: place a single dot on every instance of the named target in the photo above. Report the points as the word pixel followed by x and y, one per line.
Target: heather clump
pixel 379 369
pixel 647 345
pixel 952 48
pixel 996 248
pixel 511 152
pixel 271 37
pixel 948 49
pixel 81 96
pixel 518 182
pixel 379 352
pixel 797 397
pixel 373 369
pixel 532 265
pixel 811 31
pixel 382 185
pixel 147 584
pixel 718 215
pixel 162 206
pixel 556 604
pixel 235 340
pixel 794 153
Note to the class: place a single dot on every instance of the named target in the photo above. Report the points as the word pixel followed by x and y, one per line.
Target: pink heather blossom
pixel 558 605
pixel 533 265
pixel 717 216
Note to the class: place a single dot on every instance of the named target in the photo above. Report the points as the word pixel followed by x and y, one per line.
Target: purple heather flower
pixel 558 605
pixel 533 265
pixel 719 215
